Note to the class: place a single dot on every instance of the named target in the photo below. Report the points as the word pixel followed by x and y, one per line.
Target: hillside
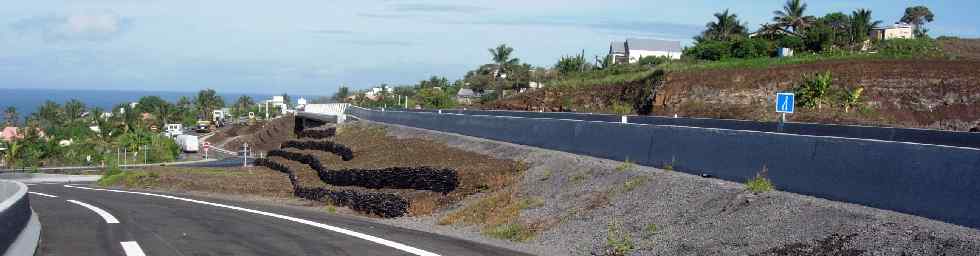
pixel 918 93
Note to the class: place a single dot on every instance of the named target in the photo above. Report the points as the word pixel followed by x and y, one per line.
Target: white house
pixel 277 101
pixel 633 49
pixel 376 91
pixel 897 30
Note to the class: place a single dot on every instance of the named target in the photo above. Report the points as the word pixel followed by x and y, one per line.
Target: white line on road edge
pixel 43 194
pixel 344 231
pixel 132 248
pixel 105 215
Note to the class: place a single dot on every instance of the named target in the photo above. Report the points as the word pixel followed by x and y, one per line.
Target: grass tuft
pixel 512 232
pixel 760 183
pixel 620 242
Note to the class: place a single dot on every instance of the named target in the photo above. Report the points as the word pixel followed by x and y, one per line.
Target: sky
pixel 314 46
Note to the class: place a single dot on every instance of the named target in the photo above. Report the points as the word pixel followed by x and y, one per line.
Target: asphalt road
pixel 81 221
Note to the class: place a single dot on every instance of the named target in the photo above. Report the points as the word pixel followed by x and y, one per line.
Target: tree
pixel 793 16
pixel 861 25
pixel 840 24
pixel 726 27
pixel 243 103
pixel 342 93
pixel 49 114
pixel 150 104
pixel 164 113
pixel 501 56
pixel 206 102
pixel 10 116
pixel 918 16
pixel 434 81
pixel 74 109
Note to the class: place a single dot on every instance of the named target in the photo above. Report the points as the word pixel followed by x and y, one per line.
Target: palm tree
pixel 726 27
pixel 74 109
pixel 244 103
pixel 861 25
pixel 501 56
pixel 10 116
pixel 49 114
pixel 207 101
pixel 792 16
pixel 164 112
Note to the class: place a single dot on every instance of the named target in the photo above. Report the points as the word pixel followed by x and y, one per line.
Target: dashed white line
pixel 378 240
pixel 131 248
pixel 105 215
pixel 42 194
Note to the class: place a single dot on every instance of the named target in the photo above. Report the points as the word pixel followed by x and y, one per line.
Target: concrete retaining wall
pixel 19 227
pixel 939 182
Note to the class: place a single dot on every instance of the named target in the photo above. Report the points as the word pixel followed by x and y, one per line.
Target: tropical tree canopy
pixel 793 16
pixel 861 24
pixel 207 101
pixel 726 27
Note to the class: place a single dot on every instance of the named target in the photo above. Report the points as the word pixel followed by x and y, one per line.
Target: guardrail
pixel 933 181
pixel 20 229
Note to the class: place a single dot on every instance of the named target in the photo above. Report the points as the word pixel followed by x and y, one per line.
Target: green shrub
pixel 760 183
pixel 751 48
pixel 793 42
pixel 814 90
pixel 710 50
pixel 922 47
pixel 653 60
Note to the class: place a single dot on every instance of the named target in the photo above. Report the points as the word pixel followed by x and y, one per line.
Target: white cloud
pixel 93 26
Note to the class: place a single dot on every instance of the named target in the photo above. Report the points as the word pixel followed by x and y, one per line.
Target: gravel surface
pixel 590 204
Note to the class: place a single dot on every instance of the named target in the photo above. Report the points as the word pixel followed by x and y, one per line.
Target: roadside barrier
pixel 344 152
pixel 20 229
pixel 924 136
pixel 933 181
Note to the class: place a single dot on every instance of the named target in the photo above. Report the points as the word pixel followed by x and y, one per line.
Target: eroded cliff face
pixel 935 94
pixel 939 94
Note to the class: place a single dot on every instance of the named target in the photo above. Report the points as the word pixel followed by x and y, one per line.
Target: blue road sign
pixel 785 102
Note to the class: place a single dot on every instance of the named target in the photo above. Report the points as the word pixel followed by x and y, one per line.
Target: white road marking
pixel 105 215
pixel 132 248
pixel 344 231
pixel 43 194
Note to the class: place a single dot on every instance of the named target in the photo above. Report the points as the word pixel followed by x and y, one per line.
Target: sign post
pixel 785 103
pixel 206 146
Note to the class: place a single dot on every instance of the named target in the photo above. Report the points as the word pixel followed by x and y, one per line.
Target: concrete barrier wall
pixel 19 229
pixel 938 182
pixel 924 136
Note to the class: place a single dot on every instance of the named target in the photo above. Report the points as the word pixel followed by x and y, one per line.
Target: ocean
pixel 28 100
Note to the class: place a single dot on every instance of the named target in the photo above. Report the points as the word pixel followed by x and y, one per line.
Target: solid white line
pixel 43 194
pixel 344 231
pixel 132 248
pixel 105 215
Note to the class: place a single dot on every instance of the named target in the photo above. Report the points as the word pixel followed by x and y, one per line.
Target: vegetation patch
pixel 619 242
pixel 498 214
pixel 759 184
